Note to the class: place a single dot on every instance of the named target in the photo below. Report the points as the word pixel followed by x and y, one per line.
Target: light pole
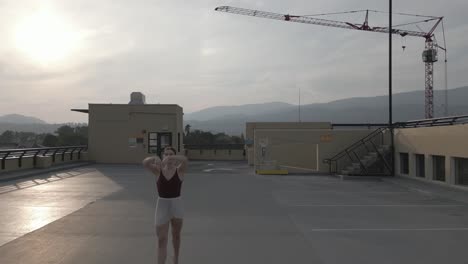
pixel 390 121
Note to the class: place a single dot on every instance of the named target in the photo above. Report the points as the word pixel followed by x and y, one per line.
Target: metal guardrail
pixel 368 125
pixel 213 146
pixel 441 121
pixel 35 152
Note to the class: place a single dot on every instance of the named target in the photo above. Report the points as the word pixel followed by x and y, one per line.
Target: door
pixel 153 143
pixel 157 141
pixel 164 140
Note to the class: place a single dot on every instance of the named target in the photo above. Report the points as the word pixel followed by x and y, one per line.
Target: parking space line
pixel 385 229
pixel 374 205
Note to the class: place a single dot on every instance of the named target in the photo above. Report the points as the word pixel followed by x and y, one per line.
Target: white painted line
pixel 219 169
pixel 384 229
pixel 374 205
pixel 307 191
pixel 299 168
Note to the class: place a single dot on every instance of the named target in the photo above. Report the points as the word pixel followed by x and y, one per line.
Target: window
pixel 420 165
pixel 157 141
pixel 461 171
pixel 132 142
pixel 438 163
pixel 165 139
pixel 404 163
pixel 153 142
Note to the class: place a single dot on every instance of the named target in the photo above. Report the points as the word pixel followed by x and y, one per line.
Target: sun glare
pixel 45 38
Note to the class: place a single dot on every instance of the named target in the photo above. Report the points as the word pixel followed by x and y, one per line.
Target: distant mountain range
pixel 20 119
pixel 228 112
pixel 21 123
pixel 232 119
pixel 406 106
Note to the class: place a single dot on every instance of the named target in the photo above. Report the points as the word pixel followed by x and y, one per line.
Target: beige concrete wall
pixel 12 164
pixel 448 141
pixel 111 126
pixel 49 161
pixel 219 154
pixel 84 156
pixel 66 158
pixel 251 127
pixel 301 147
pixel 44 162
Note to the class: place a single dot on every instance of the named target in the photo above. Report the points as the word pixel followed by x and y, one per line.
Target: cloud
pixel 186 53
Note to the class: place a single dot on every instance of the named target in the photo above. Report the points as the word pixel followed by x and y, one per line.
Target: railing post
pixel 71 154
pixel 20 159
pixel 364 143
pixel 55 152
pixel 363 168
pixel 347 153
pixel 382 158
pixel 3 160
pixel 63 154
pixel 35 158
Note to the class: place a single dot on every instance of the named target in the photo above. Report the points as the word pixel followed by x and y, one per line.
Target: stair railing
pixel 352 154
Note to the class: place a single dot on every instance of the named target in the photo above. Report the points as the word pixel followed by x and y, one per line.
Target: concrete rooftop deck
pixel 104 214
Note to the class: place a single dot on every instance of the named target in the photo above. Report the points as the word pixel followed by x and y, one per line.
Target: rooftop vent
pixel 137 98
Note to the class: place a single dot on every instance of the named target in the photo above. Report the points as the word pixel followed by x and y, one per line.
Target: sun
pixel 45 38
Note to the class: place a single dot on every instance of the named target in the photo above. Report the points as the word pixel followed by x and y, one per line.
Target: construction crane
pixel 429 54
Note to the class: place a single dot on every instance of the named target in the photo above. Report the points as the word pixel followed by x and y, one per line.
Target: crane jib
pixel 322 22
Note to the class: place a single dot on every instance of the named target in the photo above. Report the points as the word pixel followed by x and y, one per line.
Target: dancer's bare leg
pixel 162 231
pixel 176 230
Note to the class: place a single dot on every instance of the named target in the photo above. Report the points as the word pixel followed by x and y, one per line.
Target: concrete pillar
pixel 450 170
pixel 397 163
pixel 429 167
pixel 250 155
pixel 412 164
pixel 83 156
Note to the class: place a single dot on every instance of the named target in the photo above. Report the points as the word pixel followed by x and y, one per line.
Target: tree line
pixel 199 137
pixel 63 136
pixel 73 136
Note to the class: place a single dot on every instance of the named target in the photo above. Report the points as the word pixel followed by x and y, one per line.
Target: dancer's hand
pixel 152 164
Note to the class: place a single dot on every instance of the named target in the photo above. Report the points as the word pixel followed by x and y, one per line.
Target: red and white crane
pixel 429 54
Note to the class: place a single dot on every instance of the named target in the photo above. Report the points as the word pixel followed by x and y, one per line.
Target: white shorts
pixel 168 208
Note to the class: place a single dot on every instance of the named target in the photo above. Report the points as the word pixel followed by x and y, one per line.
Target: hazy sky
pixel 63 54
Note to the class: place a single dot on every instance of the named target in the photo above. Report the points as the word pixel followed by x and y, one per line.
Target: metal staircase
pixel 368 156
pixel 372 155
